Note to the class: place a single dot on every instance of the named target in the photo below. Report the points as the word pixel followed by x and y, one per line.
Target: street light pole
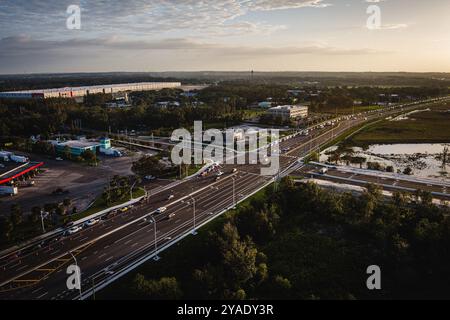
pixel 42 222
pixel 194 232
pixel 156 258
pixel 234 192
pixel 79 275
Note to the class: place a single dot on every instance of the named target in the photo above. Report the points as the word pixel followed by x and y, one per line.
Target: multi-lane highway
pixel 122 241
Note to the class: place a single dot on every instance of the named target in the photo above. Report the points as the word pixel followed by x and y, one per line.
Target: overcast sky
pixel 185 35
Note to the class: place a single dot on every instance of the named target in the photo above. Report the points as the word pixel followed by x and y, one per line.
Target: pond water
pixel 423 159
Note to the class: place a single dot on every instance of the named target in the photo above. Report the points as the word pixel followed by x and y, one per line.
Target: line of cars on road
pixel 72 229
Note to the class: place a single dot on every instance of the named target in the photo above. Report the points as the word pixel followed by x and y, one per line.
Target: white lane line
pixel 21 268
pixel 42 295
pixel 134 244
pixel 128 241
pixel 110 258
pixel 102 255
pixel 38 289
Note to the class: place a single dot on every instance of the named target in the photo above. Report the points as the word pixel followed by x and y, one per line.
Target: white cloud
pixel 142 17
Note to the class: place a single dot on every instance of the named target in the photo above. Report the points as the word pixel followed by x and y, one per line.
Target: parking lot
pixel 81 183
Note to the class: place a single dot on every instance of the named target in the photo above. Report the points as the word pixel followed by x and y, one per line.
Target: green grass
pixel 349 110
pixel 100 204
pixel 425 127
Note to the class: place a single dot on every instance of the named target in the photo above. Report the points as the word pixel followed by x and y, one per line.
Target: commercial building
pixel 78 147
pixel 73 92
pixel 289 112
pixel 265 104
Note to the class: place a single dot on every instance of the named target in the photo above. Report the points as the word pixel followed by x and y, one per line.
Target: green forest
pixel 302 242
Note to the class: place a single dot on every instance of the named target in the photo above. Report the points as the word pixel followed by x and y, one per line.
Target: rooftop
pixel 84 88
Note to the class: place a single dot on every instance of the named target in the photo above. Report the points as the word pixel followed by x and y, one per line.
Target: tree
pixel 89 156
pixel 66 152
pixel 16 215
pixel 6 229
pixel 238 256
pixel 408 171
pixel 163 289
pixel 35 214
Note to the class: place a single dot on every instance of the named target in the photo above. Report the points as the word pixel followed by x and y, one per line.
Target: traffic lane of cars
pixel 141 237
pixel 71 241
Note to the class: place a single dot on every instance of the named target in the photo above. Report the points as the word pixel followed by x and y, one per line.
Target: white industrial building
pixel 289 112
pixel 72 92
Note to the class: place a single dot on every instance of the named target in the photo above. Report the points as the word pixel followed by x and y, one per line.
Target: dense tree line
pixel 302 242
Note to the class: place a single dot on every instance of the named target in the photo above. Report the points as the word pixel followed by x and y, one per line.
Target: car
pixel 170 197
pixel 125 209
pixel 91 222
pixel 73 230
pixel 149 220
pixel 59 159
pixel 172 215
pixel 150 178
pixel 234 170
pixel 69 224
pixel 161 210
pixel 220 173
pixel 217 178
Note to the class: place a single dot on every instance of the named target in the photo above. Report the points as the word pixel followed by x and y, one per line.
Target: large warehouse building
pixel 73 92
pixel 289 112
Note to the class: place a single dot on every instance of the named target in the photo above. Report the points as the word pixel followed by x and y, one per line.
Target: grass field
pixel 348 110
pixel 100 205
pixel 424 127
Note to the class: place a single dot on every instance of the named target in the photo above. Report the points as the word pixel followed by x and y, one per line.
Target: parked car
pixel 150 178
pixel 170 197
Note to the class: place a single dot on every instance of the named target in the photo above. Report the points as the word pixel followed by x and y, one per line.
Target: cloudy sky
pixel 263 35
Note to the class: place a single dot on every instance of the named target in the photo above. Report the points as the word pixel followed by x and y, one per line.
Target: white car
pixel 170 197
pixel 150 178
pixel 59 159
pixel 161 210
pixel 73 230
pixel 91 222
pixel 220 173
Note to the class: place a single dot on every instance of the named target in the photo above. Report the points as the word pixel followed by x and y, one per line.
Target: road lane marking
pixel 42 295
pixel 37 290
pixel 21 268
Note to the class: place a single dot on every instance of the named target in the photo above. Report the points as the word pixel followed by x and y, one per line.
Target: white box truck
pixel 18 159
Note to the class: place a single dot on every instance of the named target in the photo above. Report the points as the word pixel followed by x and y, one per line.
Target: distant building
pixel 74 92
pixel 167 104
pixel 265 104
pixel 296 93
pixel 78 147
pixel 289 112
pixel 121 100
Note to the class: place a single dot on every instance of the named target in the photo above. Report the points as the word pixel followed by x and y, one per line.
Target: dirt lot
pixel 84 183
